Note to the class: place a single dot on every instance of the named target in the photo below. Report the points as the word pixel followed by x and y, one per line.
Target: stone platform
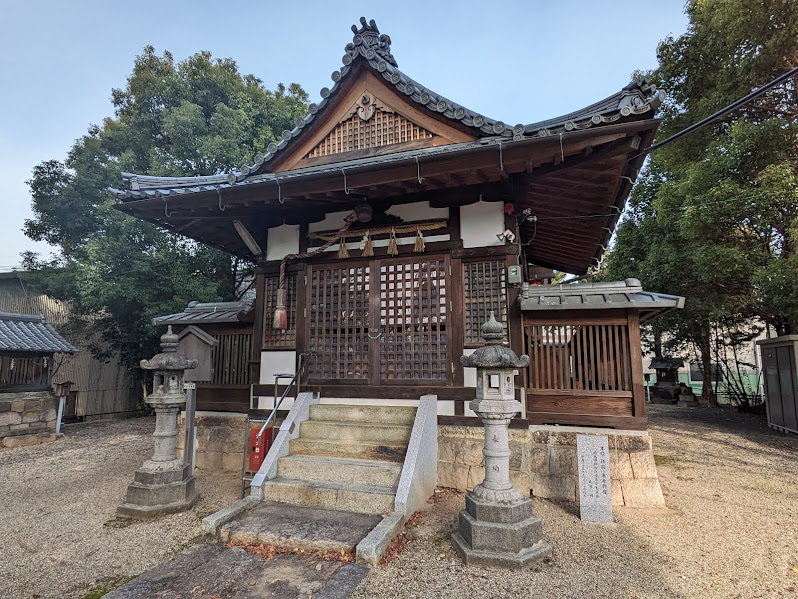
pixel 155 493
pixel 502 534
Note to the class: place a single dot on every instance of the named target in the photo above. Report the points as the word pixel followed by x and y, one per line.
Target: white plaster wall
pixel 271 363
pixel 332 222
pixel 418 211
pixel 480 223
pixel 281 241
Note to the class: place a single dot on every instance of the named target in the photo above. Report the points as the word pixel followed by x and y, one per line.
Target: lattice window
pixel 485 290
pixel 278 337
pixel 413 315
pixel 382 129
pixel 230 358
pixel 338 319
pixel 589 357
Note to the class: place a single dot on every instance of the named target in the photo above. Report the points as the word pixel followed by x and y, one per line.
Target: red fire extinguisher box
pixel 258 447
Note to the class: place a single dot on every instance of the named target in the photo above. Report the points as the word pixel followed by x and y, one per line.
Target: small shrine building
pixel 400 220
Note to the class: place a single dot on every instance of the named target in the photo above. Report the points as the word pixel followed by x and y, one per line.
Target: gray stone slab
pixel 343 582
pixel 277 523
pixel 595 492
pixel 213 570
pixel 156 579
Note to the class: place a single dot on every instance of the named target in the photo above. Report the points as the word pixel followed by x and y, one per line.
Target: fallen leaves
pixel 400 541
pixel 267 552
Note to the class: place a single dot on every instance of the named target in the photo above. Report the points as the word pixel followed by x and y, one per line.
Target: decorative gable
pixel 370 124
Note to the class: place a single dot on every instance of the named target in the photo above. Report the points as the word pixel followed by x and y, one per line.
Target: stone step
pixel 363 499
pixel 355 431
pixel 386 452
pixel 299 527
pixel 340 470
pixel 352 413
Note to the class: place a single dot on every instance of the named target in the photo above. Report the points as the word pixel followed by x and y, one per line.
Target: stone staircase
pixel 347 457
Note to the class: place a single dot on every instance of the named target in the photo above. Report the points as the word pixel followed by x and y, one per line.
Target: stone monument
pixel 163 484
pixel 497 528
pixel 595 491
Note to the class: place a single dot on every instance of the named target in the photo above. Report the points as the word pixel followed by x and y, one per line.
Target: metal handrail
pixel 303 360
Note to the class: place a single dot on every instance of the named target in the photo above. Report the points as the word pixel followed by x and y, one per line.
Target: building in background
pixel 99 389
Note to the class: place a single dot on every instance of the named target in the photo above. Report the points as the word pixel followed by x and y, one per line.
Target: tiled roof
pixel 206 313
pixel 597 296
pixel 372 49
pixel 31 333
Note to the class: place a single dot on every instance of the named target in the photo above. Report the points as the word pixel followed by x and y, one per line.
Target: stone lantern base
pixel 498 528
pixel 158 489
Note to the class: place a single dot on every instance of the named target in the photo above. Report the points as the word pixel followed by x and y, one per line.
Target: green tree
pixel 714 217
pixel 197 117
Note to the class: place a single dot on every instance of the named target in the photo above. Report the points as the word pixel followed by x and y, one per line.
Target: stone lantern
pixel 497 528
pixel 163 484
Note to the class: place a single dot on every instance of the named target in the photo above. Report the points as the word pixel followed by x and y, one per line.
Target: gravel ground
pixel 59 536
pixel 729 530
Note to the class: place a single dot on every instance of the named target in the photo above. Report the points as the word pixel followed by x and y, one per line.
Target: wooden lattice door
pixel 339 319
pixel 413 311
pixel 380 323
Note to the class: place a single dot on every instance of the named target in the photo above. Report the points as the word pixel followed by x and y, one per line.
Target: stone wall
pixel 543 459
pixel 633 473
pixel 220 440
pixel 27 418
pixel 461 463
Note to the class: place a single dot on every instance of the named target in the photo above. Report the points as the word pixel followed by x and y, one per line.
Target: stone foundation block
pixel 508 513
pixel 562 486
pixel 642 492
pixel 26 440
pixel 232 461
pixel 209 460
pixel 502 538
pixel 620 465
pixel 10 418
pixel 643 465
pixel 18 405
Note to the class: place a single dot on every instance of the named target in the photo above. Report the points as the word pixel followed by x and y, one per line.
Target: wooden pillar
pixel 636 357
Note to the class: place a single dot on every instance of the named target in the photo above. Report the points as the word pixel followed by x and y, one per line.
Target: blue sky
pixel 518 61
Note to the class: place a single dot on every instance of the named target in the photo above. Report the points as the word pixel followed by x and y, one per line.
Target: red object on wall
pixel 509 208
pixel 258 448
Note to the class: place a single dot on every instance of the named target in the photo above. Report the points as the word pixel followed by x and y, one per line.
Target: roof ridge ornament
pixel 368 41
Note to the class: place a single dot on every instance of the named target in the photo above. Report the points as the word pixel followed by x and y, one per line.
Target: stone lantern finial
pixel 494 354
